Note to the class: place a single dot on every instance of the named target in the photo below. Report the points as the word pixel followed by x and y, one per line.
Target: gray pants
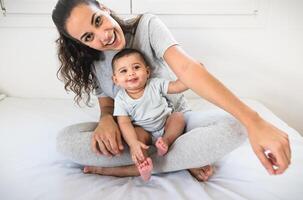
pixel 209 136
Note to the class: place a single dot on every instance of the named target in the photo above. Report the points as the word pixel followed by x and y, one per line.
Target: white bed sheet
pixel 31 168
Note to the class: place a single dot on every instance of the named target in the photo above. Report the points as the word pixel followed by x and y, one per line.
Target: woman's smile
pixel 113 39
pixel 115 42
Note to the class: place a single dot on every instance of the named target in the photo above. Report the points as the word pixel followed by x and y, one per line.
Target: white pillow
pixel 2 96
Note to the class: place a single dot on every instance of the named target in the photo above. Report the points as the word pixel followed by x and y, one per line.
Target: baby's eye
pixel 89 37
pixel 123 71
pixel 98 21
pixel 137 66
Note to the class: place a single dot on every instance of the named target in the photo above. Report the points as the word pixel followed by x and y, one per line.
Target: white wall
pixel 261 62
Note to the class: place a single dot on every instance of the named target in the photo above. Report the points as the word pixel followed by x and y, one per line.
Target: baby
pixel 142 111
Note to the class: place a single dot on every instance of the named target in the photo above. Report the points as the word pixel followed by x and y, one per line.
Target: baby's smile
pixel 133 80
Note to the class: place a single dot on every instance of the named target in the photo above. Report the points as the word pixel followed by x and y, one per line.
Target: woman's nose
pixel 103 37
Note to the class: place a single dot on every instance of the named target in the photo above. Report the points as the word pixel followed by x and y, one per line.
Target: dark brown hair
pixel 77 60
pixel 128 51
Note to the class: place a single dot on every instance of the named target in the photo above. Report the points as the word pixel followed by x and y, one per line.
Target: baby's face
pixel 130 72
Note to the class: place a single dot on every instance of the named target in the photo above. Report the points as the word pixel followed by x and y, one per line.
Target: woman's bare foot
pixel 162 146
pixel 202 173
pixel 145 168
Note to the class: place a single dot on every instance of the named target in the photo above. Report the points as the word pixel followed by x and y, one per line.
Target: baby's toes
pixel 159 142
pixel 163 145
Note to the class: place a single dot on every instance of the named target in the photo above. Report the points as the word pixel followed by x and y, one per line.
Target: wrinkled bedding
pixel 32 169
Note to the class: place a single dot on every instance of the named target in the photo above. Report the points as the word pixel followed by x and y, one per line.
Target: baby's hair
pixel 126 52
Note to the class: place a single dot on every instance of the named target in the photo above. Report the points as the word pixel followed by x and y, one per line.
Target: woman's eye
pixel 98 21
pixel 89 37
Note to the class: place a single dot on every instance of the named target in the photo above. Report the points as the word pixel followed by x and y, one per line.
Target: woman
pixel 90 35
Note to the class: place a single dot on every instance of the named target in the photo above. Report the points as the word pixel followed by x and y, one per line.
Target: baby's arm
pixel 176 87
pixel 127 129
pixel 130 136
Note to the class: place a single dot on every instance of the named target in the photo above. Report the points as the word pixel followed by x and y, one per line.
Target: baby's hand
pixel 136 151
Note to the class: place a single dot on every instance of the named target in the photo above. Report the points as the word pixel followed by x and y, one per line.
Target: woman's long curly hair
pixel 77 60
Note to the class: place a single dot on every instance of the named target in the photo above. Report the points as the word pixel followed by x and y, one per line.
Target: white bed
pixel 32 169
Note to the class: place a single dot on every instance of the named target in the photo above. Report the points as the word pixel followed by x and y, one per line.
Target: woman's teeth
pixel 112 40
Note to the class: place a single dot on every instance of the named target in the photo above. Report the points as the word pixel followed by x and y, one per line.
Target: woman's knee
pixel 208 118
pixel 73 135
pixel 63 138
pixel 217 124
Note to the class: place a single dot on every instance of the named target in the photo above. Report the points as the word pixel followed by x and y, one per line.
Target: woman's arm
pixel 107 137
pixel 106 105
pixel 263 136
pixel 176 87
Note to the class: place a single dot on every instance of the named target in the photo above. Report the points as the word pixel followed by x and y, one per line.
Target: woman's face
pixel 94 27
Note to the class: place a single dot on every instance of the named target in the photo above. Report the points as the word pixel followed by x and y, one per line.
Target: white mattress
pixel 30 168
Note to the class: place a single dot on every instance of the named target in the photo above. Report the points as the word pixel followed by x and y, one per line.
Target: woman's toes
pixel 202 173
pixel 202 177
pixel 208 170
pixel 86 169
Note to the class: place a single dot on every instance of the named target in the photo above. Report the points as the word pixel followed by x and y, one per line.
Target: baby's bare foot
pixel 145 168
pixel 162 146
pixel 202 173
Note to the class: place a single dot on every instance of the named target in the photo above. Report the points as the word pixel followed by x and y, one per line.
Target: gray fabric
pixel 152 38
pixel 209 136
pixel 149 111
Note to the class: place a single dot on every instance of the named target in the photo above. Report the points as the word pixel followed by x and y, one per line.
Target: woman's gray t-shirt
pixel 152 38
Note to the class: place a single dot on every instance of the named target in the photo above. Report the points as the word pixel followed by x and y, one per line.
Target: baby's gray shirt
pixel 151 110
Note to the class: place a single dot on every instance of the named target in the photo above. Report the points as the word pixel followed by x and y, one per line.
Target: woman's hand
pixel 265 137
pixel 107 137
pixel 136 151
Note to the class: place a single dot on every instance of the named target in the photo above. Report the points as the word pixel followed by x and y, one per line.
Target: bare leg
pixel 123 171
pixel 174 127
